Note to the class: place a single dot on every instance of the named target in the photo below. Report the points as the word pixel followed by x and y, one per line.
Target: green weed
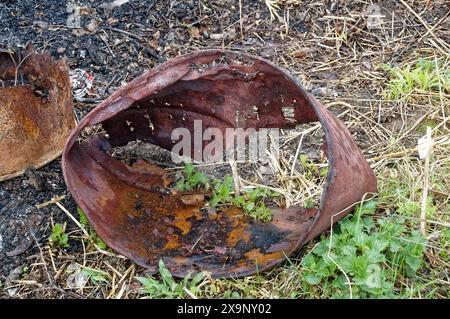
pixel 58 237
pixel 222 192
pixel 192 180
pixel 372 254
pixel 168 287
pixel 95 276
pixel 92 234
pixel 425 76
pixel 251 201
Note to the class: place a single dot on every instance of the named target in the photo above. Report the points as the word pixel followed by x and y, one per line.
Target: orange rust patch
pixel 142 166
pixel 183 225
pixel 181 218
pixel 214 215
pixel 235 215
pixel 30 128
pixel 184 214
pixel 238 233
pixel 262 259
pixel 173 242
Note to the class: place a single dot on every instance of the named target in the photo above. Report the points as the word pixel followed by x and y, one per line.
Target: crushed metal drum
pixel 36 111
pixel 135 212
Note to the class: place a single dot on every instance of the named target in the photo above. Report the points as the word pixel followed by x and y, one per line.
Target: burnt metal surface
pixel 135 212
pixel 36 113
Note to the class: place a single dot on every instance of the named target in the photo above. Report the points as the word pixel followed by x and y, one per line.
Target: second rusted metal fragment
pixel 36 113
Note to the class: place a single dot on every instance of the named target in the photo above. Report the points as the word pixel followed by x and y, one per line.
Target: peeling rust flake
pixel 135 212
pixel 36 113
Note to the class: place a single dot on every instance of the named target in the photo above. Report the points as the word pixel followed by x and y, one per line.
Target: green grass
pixel 425 75
pixel 222 192
pixel 252 201
pixel 192 180
pixel 168 287
pixel 95 276
pixel 92 234
pixel 311 171
pixel 59 238
pixel 371 253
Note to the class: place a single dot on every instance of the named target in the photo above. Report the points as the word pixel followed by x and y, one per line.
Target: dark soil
pixel 23 226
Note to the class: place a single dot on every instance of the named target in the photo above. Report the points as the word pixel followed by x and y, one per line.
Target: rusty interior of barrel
pixel 36 110
pixel 137 214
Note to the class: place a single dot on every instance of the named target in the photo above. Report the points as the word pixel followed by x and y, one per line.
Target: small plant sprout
pixel 96 276
pixel 58 237
pixel 92 234
pixel 252 201
pixel 426 75
pixel 192 180
pixel 167 287
pixel 222 192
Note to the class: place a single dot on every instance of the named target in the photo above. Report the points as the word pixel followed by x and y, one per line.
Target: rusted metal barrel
pixel 135 212
pixel 36 111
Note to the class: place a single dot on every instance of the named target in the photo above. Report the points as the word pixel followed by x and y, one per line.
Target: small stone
pixel 92 26
pixel 268 51
pixel 111 5
pixel 61 50
pixel 324 92
pixel 367 65
pixel 112 21
pixel 79 32
pixel 216 36
pixel 192 199
pixel 194 32
pixel 13 275
pixel 300 54
pixel 118 41
pixel 77 279
pixel 35 180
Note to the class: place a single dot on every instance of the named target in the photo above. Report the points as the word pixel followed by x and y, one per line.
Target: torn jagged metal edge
pixel 33 128
pixel 349 175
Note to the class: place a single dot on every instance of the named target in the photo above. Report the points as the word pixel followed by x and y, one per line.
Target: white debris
pixel 81 82
pixel 324 92
pixel 216 36
pixel 113 4
pixel 425 144
pixel 9 282
pixel 77 279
